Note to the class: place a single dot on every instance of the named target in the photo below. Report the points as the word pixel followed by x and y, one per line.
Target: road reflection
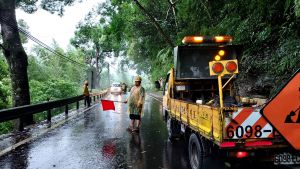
pixel 136 151
pixel 109 148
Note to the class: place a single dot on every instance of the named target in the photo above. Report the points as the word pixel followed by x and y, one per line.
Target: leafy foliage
pixel 52 77
pixel 269 31
pixel 5 93
pixel 52 89
pixel 4 84
pixel 6 127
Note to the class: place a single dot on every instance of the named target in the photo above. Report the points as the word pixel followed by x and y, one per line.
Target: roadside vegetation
pixel 269 31
pixel 50 78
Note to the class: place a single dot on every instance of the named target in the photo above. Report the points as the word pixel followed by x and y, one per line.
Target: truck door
pixel 166 94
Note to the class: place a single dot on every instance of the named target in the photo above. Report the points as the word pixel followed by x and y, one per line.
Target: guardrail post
pixel 48 113
pixel 20 123
pixel 77 105
pixel 67 110
pixel 49 116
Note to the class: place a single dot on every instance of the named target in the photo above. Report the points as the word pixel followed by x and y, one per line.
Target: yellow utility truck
pixel 201 105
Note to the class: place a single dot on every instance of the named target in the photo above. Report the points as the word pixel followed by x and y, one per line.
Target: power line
pixel 115 67
pixel 112 66
pixel 49 48
pixel 34 39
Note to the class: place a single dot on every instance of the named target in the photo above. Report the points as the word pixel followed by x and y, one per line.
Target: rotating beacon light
pixel 206 39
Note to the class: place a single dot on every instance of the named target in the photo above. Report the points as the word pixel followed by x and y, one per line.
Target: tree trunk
pixel 98 68
pixel 16 57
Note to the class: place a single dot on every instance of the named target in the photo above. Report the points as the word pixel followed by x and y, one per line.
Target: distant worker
pixel 124 87
pixel 86 93
pixel 136 101
pixel 161 82
pixel 157 85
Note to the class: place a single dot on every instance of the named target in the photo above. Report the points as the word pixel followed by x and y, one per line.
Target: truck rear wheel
pixel 173 129
pixel 165 114
pixel 196 153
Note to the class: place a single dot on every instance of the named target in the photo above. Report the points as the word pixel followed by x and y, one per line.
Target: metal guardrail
pixel 21 111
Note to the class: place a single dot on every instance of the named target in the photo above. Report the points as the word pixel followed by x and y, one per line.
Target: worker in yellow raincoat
pixel 86 94
pixel 135 104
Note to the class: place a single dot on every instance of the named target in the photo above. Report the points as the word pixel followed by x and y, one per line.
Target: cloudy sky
pixel 46 26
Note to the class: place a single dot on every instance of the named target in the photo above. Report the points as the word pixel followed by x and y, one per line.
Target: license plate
pixel 286 159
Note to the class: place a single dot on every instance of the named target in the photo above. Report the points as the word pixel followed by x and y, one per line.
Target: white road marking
pixel 8 149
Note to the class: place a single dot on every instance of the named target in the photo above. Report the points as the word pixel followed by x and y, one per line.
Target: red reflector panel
pixel 218 67
pixel 258 143
pixel 227 144
pixel 242 154
pixel 231 66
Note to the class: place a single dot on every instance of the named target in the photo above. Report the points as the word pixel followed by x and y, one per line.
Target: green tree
pixel 93 36
pixel 50 73
pixel 13 49
pixel 269 31
pixel 4 84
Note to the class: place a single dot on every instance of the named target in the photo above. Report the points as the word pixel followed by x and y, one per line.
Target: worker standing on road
pixel 136 101
pixel 86 93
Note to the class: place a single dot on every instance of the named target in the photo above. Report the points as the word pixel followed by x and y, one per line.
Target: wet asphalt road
pixel 99 139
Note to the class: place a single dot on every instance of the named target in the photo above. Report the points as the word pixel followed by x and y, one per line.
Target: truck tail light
pixel 231 66
pixel 218 67
pixel 258 143
pixel 227 144
pixel 242 154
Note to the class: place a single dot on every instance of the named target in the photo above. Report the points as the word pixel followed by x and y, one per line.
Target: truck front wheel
pixel 173 129
pixel 195 152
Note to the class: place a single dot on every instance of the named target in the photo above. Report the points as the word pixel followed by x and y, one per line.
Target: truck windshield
pixel 192 62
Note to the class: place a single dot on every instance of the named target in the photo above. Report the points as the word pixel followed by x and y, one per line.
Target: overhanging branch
pixel 160 30
pixel 172 5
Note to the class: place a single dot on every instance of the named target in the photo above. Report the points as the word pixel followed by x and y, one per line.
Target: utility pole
pixel 108 74
pixel 92 80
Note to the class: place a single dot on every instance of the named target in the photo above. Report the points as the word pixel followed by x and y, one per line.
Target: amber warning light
pixel 192 39
pixel 201 39
pixel 222 39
